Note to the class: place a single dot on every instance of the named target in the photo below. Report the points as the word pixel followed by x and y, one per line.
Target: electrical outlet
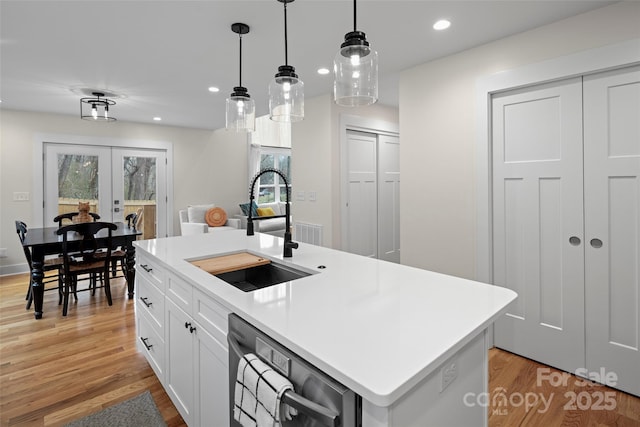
pixel 3 252
pixel 312 196
pixel 448 373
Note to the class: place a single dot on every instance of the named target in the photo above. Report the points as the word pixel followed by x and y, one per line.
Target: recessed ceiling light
pixel 157 119
pixel 214 89
pixel 442 24
pixel 323 71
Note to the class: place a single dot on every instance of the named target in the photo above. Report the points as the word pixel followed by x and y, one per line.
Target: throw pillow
pixel 265 212
pixel 216 217
pixel 196 213
pixel 244 207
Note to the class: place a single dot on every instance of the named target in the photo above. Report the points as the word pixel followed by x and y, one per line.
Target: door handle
pixel 596 243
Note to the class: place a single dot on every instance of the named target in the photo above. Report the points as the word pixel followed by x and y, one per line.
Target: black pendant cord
pixel 240 73
pixel 354 16
pixel 286 55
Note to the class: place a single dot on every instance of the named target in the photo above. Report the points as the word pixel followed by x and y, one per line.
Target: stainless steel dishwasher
pixel 319 399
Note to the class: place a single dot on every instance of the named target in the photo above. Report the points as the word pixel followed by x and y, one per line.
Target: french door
pixel 566 210
pixel 115 181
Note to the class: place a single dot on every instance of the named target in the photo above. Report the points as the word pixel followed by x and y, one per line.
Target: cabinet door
pixel 211 380
pixel 612 224
pixel 538 221
pixel 179 369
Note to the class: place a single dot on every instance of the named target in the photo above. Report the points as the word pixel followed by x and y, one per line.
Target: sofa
pixel 193 220
pixel 273 226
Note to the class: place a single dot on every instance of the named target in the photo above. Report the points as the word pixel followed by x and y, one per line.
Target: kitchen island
pixel 411 342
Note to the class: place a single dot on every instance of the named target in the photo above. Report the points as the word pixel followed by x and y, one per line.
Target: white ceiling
pixel 161 56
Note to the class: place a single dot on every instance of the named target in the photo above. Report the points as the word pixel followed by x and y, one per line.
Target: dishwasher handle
pixel 319 413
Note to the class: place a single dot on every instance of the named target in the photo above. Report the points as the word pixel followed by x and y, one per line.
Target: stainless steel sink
pixel 262 276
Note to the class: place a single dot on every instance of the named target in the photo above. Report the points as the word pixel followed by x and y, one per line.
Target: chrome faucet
pixel 289 245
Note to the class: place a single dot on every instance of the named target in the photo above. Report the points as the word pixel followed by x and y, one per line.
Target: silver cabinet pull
pixel 574 240
pixel 596 243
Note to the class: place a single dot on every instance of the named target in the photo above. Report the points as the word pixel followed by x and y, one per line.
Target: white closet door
pixel 389 198
pixel 538 221
pixel 612 224
pixel 362 222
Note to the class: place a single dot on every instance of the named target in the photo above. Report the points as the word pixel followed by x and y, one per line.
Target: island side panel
pixel 460 403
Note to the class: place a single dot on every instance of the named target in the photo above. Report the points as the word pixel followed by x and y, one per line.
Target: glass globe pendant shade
pixel 241 111
pixel 286 96
pixel 356 72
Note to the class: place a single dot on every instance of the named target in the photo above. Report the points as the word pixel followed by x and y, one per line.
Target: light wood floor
pixel 57 369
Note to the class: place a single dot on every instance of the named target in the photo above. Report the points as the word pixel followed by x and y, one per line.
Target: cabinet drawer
pixel 211 315
pixel 151 301
pixel 180 292
pixel 151 344
pixel 148 268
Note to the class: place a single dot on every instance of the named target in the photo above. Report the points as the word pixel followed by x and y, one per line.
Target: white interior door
pixel 538 221
pixel 389 198
pixel 612 224
pixel 115 181
pixel 362 214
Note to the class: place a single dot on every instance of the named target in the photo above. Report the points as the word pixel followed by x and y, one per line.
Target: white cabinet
pixel 183 336
pixel 150 312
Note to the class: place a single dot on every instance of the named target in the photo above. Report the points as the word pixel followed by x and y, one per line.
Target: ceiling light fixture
pixel 286 90
pixel 356 70
pixel 323 71
pixel 442 24
pixel 99 102
pixel 241 109
pixel 214 89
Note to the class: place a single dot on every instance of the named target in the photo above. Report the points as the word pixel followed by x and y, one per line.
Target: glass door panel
pixel 139 177
pixel 76 174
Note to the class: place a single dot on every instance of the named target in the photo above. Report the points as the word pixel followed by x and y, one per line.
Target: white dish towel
pixel 258 393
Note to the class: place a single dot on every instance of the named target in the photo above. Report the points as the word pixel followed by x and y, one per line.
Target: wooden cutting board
pixel 233 262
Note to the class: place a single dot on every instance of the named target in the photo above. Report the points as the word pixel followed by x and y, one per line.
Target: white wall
pixel 438 125
pixel 209 166
pixel 315 151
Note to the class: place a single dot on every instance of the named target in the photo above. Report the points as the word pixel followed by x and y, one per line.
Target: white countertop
pixel 377 327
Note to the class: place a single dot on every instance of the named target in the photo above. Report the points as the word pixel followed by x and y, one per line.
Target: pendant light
pixel 241 109
pixel 355 70
pixel 286 90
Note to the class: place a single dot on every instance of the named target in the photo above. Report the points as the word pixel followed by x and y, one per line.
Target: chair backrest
pixel 21 229
pixel 138 218
pixel 86 244
pixel 69 216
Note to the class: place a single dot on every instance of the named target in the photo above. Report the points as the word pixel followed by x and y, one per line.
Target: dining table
pixel 45 241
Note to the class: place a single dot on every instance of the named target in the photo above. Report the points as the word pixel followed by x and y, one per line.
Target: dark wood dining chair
pixel 50 264
pixel 85 253
pixel 69 216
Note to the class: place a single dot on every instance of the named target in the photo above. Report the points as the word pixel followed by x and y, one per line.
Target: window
pixel 271 186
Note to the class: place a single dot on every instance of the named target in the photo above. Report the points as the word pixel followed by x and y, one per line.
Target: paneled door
pixel 612 224
pixel 389 195
pixel 566 211
pixel 115 181
pixel 362 160
pixel 538 221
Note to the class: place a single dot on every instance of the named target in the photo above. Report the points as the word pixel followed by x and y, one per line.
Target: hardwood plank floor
pixel 57 369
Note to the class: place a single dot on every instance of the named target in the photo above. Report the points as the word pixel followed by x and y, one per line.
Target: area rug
pixel 139 411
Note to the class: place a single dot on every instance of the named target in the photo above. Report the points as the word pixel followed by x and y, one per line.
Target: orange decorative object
pixel 216 217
